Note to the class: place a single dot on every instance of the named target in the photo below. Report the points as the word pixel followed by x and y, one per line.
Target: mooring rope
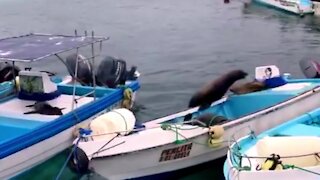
pixel 300 168
pixel 142 129
pixel 105 145
pixel 286 166
pixel 169 127
pixel 67 160
pixel 264 157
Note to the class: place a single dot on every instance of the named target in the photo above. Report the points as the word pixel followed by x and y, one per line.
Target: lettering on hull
pixel 176 153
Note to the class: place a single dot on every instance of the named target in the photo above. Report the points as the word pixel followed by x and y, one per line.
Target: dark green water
pixel 178 45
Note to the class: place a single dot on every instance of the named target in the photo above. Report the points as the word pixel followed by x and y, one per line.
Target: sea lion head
pixel 238 74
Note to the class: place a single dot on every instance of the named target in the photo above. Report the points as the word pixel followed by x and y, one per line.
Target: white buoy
pixel 118 120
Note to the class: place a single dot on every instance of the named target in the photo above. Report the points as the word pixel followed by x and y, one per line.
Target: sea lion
pixel 248 87
pixel 45 109
pixel 215 90
pixel 209 119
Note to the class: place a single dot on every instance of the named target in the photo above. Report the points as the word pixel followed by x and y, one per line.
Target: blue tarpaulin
pixel 33 47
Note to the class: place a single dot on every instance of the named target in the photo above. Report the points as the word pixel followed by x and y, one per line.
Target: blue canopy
pixel 33 47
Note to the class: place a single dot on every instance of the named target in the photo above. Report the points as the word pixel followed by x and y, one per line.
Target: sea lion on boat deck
pixel 215 90
pixel 248 87
pixel 45 109
pixel 209 119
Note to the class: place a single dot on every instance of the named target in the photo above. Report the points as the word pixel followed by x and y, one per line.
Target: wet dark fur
pixel 215 90
pixel 248 87
pixel 45 109
pixel 210 119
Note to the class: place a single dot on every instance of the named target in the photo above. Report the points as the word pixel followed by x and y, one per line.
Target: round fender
pixel 79 161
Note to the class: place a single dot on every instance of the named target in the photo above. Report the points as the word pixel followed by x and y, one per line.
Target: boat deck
pixel 305 125
pixel 301 130
pixel 13 121
pixel 15 108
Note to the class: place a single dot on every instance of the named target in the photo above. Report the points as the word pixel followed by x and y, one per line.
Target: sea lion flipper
pixel 31 112
pixel 31 105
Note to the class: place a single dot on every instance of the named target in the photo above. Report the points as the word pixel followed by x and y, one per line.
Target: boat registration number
pixel 176 153
pixel 286 3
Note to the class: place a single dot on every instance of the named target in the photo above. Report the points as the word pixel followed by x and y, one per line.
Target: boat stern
pixel 305 7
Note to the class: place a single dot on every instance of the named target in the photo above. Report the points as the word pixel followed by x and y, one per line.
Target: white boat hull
pixel 288 5
pixel 145 162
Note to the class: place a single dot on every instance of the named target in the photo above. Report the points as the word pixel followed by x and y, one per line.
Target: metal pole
pixel 100 47
pixel 93 68
pixel 14 76
pixel 74 82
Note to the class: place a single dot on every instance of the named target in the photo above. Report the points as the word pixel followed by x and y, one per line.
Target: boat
pixel 316 4
pixel 39 111
pixel 287 151
pixel 162 146
pixel 298 7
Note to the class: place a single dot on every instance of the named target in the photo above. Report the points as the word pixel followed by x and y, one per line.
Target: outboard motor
pixel 111 72
pixel 8 71
pixel 84 73
pixel 133 74
pixel 310 68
